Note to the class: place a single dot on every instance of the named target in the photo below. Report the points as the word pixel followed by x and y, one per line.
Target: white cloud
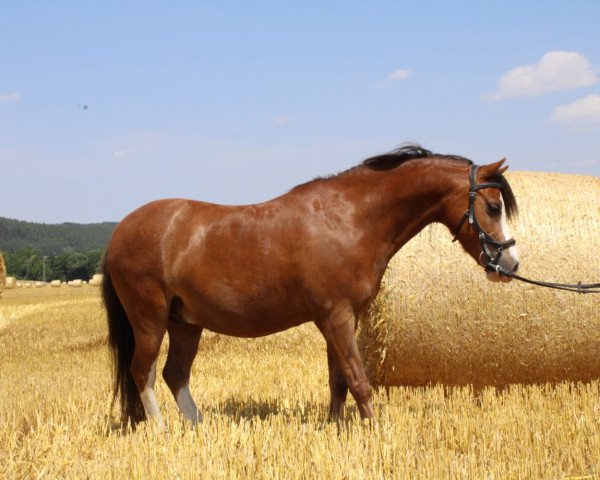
pixel 583 113
pixel 282 120
pixel 556 70
pixel 398 74
pixel 124 152
pixel 13 97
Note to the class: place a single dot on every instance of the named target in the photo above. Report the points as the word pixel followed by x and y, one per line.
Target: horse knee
pixel 362 391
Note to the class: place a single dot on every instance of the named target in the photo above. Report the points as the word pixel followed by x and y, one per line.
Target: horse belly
pixel 250 323
pixel 239 276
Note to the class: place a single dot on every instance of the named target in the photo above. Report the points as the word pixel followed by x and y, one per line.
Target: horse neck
pixel 404 200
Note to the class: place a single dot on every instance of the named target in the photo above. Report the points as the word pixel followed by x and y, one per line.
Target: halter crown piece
pixel 485 239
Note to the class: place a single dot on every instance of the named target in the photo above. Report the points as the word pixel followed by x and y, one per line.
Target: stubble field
pixel 265 405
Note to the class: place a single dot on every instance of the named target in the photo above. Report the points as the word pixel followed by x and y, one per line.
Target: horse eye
pixel 494 209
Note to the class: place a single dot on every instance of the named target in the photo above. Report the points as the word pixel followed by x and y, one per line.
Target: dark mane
pixel 413 151
pixel 409 151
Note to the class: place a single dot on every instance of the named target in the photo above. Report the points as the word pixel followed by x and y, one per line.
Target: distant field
pixel 265 405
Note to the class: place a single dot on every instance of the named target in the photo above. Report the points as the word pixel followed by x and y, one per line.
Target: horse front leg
pixel 337 385
pixel 338 330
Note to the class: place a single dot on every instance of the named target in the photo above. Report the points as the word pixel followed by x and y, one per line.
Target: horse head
pixel 482 229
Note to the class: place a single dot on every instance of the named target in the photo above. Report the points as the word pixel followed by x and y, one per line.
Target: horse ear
pixel 488 171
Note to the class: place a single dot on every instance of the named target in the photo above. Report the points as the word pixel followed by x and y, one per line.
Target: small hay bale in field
pixel 96 280
pixel 2 274
pixel 11 282
pixel 75 283
pixel 19 284
pixel 438 320
pixel 55 283
pixel 27 285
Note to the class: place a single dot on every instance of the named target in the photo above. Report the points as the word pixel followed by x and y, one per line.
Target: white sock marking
pixel 187 406
pixel 149 397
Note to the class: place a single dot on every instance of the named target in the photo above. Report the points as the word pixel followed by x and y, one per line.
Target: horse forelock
pixel 508 197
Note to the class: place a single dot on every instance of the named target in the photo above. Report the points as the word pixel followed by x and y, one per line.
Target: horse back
pixel 241 270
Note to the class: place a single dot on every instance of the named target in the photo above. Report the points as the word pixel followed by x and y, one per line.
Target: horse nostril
pixel 516 267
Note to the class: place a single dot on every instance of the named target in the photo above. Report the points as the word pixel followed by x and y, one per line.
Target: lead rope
pixel 484 239
pixel 569 287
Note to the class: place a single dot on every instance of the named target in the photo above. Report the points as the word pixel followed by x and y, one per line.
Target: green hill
pixel 66 251
pixel 53 239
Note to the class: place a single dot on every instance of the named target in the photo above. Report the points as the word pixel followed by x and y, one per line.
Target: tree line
pixel 53 239
pixel 65 251
pixel 31 264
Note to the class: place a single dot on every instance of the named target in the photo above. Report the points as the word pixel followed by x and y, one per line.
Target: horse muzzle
pixel 505 262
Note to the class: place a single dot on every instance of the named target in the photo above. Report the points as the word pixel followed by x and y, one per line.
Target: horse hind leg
pixel 183 346
pixel 149 327
pixel 143 370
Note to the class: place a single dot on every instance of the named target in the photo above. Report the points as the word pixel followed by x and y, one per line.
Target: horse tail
pixel 121 343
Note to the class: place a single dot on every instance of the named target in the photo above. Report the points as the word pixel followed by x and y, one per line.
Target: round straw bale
pixel 39 284
pixel 11 282
pixel 55 283
pixel 27 284
pixel 438 320
pixel 96 280
pixel 76 283
pixel 19 284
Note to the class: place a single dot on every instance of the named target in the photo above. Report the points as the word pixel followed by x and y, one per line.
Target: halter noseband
pixel 484 238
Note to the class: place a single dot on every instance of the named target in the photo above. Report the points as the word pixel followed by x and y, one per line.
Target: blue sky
pixel 237 102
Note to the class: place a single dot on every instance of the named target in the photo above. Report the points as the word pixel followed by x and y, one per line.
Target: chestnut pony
pixel 316 254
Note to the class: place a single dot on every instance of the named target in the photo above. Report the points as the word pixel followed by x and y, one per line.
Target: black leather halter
pixel 485 239
pixel 491 261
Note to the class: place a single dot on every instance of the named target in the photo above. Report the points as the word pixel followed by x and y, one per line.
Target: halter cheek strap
pixel 484 238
